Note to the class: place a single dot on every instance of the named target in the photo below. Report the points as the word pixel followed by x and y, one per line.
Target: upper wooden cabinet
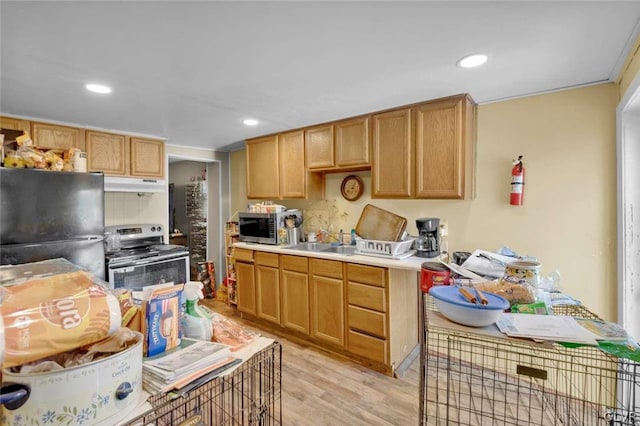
pixel 319 147
pixel 291 161
pixel 108 153
pixel 53 136
pixel 120 155
pixel 340 146
pixel 11 123
pixel 147 157
pixel 444 148
pixel 263 172
pixel 275 168
pixel 425 151
pixel 393 155
pixel 353 141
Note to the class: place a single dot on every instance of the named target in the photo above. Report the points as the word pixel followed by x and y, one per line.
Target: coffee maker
pixel 428 242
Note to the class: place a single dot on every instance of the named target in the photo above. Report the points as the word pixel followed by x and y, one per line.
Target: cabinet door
pixel 440 149
pixel 147 157
pixel 11 123
pixel 51 136
pixel 392 169
pixel 108 153
pixel 268 293
pixel 245 286
pixel 263 172
pixel 292 170
pixel 295 300
pixel 327 310
pixel 319 147
pixel 352 143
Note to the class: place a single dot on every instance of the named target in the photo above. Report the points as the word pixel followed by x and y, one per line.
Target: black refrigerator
pixel 47 215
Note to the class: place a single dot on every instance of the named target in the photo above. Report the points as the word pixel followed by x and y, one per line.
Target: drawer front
pixel 267 259
pixel 367 274
pixel 367 296
pixel 243 255
pixel 326 268
pixel 367 321
pixel 369 347
pixel 294 263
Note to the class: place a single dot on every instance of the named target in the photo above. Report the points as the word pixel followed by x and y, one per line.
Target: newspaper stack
pixel 192 363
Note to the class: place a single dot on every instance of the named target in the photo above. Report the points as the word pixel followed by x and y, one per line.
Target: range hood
pixel 121 184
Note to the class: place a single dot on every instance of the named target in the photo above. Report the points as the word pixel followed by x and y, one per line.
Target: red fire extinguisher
pixel 517 182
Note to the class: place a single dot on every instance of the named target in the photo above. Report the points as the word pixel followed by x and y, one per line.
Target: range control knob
pixel 153 228
pixel 159 228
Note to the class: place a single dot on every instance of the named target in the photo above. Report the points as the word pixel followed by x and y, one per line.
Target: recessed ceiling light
pixel 98 88
pixel 472 61
pixel 250 122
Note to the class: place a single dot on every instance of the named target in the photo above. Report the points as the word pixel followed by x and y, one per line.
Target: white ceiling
pixel 192 71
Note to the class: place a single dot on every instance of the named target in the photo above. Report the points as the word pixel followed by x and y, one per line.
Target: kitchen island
pixel 362 307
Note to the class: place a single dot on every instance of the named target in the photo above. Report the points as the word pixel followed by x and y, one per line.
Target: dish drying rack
pixel 388 249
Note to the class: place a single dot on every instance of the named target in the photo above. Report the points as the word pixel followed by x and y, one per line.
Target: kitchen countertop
pixel 412 263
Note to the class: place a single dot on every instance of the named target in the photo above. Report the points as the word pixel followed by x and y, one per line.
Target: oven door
pixel 138 274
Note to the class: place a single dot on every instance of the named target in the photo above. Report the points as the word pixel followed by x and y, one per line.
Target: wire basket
pixel 250 395
pixel 384 248
pixel 475 379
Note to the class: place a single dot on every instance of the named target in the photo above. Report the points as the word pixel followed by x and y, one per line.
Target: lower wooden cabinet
pixel 327 301
pixel 245 274
pixel 368 312
pixel 369 347
pixel 294 284
pixel 367 321
pixel 327 309
pixel 267 276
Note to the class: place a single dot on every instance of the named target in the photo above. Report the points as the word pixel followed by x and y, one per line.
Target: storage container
pixel 100 391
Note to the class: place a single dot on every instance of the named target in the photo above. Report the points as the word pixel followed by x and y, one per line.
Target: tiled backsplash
pixel 129 208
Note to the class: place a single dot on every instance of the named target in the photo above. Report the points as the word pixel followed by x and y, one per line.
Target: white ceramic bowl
pixel 452 304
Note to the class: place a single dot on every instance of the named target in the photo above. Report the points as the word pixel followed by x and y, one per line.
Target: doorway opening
pixel 194 209
pixel 628 206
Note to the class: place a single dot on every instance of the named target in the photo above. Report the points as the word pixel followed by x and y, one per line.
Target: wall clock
pixel 352 187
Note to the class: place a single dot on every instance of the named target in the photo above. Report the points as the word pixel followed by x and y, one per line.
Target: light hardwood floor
pixel 323 389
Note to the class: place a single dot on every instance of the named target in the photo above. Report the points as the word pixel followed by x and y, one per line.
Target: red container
pixel 433 274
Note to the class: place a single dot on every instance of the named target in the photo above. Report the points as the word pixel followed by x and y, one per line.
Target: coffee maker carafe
pixel 428 242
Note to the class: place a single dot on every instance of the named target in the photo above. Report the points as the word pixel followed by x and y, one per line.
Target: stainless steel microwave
pixel 262 227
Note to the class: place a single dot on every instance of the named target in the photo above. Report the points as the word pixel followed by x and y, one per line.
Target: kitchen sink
pixel 346 250
pixel 324 248
pixel 310 246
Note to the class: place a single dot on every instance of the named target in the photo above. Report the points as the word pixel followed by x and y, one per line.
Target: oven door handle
pixel 145 261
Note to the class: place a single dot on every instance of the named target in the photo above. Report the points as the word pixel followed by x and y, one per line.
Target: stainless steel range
pixel 142 258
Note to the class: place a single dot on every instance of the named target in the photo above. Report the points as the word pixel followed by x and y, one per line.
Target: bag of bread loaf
pixel 54 314
pixel 513 292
